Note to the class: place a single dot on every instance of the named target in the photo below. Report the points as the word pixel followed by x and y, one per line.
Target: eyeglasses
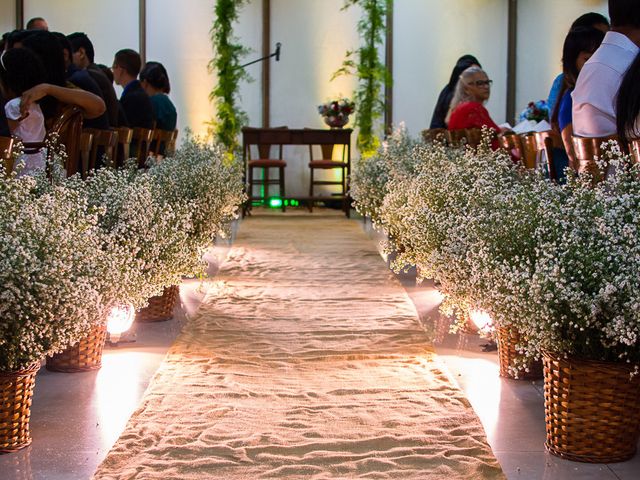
pixel 482 83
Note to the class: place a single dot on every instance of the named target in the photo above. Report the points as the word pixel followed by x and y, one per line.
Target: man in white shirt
pixel 594 98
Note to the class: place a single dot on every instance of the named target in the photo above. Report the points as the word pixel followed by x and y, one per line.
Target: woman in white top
pixel 20 70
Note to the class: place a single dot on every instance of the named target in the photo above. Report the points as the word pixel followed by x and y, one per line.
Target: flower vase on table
pixel 335 113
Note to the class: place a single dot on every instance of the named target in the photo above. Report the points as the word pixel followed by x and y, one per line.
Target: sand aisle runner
pixel 306 360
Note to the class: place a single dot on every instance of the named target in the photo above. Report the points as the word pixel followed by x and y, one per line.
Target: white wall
pixel 111 25
pixel 542 28
pixel 7 15
pixel 429 39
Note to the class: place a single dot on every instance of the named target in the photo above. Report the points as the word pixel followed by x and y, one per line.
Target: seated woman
pixel 579 45
pixel 467 106
pixel 155 81
pixel 444 99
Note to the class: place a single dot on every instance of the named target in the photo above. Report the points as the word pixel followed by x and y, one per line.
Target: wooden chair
pixel 6 146
pixel 265 162
pixel 585 150
pixel 529 149
pixel 125 134
pixel 105 144
pixel 634 149
pixel 547 142
pixel 511 142
pixel 140 144
pixel 456 137
pixel 68 129
pixel 86 140
pixel 326 162
pixel 166 139
pixel 434 134
pixel 474 136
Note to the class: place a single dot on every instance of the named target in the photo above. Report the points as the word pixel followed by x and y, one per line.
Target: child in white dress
pixel 20 70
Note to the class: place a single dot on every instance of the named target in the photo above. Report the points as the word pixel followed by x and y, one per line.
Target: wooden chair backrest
pixel 455 137
pixel 529 149
pixel 105 142
pixel 125 135
pixel 511 142
pixel 585 150
pixel 264 149
pixel 474 135
pixel 6 145
pixel 547 141
pixel 168 137
pixel 326 151
pixel 432 134
pixel 141 140
pixel 634 149
pixel 68 128
pixel 86 141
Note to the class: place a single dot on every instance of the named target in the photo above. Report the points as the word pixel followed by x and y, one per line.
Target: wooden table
pixel 302 136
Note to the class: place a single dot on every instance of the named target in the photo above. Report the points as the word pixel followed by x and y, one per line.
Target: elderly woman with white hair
pixel 467 106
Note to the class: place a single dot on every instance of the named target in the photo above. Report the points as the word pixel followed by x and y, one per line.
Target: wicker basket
pixel 84 356
pixel 507 340
pixel 16 392
pixel 592 410
pixel 160 308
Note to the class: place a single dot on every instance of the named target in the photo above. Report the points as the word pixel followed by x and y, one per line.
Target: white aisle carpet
pixel 306 361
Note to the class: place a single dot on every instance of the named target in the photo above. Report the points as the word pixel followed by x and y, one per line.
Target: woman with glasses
pixel 444 100
pixel 467 106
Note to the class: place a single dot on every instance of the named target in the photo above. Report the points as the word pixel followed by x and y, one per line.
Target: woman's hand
pixel 29 97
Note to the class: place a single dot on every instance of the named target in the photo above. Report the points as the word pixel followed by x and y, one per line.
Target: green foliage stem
pixel 370 70
pixel 227 53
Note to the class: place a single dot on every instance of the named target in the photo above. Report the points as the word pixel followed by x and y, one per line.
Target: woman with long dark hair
pixel 579 45
pixel 628 105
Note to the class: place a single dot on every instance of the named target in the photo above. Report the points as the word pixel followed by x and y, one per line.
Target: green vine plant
pixel 371 72
pixel 227 52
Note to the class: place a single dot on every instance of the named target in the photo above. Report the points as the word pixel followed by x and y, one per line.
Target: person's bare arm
pixel 92 105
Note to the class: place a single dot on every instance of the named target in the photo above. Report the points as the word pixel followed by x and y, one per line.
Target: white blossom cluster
pixel 72 248
pixel 50 265
pixel 371 175
pixel 559 264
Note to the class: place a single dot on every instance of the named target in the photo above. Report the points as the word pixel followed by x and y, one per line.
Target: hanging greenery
pixel 227 53
pixel 372 73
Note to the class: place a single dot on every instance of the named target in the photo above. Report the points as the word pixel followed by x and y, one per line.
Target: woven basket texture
pixel 592 410
pixel 507 340
pixel 84 356
pixel 160 308
pixel 16 393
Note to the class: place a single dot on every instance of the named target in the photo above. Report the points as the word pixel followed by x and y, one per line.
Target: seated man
pixel 134 100
pixel 83 59
pixel 594 97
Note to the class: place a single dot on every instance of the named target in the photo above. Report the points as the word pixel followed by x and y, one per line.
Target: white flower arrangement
pixel 51 262
pixel 72 249
pixel 559 264
pixel 371 175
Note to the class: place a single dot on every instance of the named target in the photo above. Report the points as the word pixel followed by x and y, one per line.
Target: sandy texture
pixel 306 360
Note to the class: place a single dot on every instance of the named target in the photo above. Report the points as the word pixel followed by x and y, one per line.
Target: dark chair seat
pixel 327 164
pixel 267 163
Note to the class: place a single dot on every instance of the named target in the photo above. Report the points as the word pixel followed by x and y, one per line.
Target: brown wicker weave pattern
pixel 16 392
pixel 507 340
pixel 160 308
pixel 84 356
pixel 592 410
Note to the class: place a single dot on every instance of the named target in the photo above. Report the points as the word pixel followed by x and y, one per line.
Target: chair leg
pixel 265 183
pixel 250 188
pixel 282 192
pixel 311 190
